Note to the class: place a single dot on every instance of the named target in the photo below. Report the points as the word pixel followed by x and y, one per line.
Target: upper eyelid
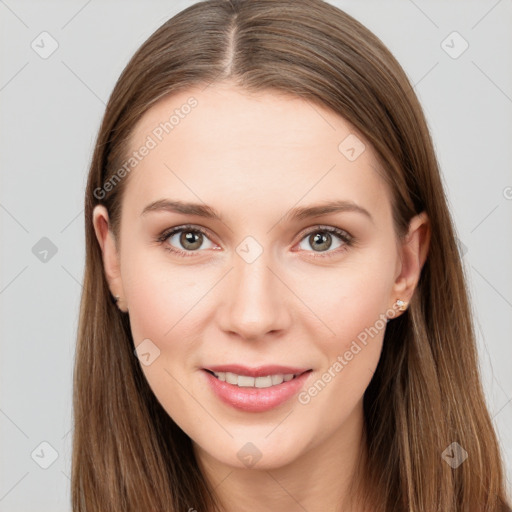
pixel 172 231
pixel 304 232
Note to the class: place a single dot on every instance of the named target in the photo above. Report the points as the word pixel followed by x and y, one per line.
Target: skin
pixel 253 158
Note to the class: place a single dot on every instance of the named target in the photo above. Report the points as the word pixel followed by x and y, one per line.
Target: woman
pixel 290 326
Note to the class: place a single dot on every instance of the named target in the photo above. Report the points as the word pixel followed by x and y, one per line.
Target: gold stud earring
pixel 116 301
pixel 401 304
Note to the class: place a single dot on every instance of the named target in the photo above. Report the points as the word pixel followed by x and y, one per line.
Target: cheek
pixel 350 358
pixel 351 304
pixel 161 301
pixel 160 295
pixel 353 351
pixel 349 298
pixel 164 302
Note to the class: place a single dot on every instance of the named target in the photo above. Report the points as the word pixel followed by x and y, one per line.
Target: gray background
pixel 51 109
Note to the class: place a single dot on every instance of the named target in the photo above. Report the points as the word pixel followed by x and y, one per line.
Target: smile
pixel 256 393
pixel 246 381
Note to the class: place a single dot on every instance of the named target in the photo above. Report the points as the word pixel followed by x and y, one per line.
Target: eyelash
pixel 343 235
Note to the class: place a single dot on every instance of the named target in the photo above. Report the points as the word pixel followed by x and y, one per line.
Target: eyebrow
pixel 299 213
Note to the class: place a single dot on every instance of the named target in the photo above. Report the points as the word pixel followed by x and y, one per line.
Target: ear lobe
pixel 109 250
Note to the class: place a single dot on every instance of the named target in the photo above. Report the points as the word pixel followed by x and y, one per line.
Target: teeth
pixel 245 381
pixel 277 379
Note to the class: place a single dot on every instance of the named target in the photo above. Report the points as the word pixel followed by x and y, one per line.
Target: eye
pixel 323 238
pixel 185 240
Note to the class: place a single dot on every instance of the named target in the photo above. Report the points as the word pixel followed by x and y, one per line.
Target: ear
pixel 413 254
pixel 111 261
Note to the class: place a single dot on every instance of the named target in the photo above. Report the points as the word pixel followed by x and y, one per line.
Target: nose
pixel 255 302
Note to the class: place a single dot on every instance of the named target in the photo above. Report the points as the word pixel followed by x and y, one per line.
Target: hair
pixel 426 393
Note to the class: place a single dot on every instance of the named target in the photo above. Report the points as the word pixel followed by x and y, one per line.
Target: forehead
pixel 223 143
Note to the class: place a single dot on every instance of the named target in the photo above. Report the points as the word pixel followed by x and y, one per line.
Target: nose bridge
pixel 254 304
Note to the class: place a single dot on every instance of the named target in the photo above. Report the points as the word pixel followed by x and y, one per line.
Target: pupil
pixel 190 240
pixel 321 241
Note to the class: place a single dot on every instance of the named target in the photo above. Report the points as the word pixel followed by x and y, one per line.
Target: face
pixel 269 287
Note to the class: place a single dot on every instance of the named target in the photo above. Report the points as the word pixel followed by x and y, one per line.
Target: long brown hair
pixel 426 393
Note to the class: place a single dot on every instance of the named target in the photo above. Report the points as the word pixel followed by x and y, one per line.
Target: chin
pixel 258 452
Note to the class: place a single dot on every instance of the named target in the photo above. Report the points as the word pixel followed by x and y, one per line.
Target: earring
pixel 401 304
pixel 115 300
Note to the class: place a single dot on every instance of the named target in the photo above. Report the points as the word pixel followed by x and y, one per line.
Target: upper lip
pixel 260 371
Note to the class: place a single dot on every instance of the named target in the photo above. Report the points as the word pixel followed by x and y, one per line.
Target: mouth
pixel 247 381
pixel 267 388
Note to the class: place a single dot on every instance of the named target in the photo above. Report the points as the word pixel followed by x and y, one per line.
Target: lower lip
pixel 256 399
